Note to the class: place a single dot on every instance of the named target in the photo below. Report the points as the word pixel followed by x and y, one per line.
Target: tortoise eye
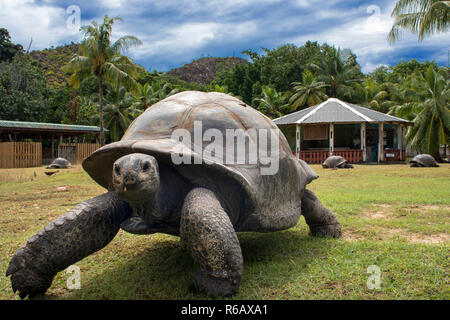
pixel 117 170
pixel 146 167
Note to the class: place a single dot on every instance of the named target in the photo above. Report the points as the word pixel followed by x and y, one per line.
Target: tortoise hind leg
pixel 87 228
pixel 206 231
pixel 320 219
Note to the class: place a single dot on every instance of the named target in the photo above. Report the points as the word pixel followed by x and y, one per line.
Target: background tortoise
pixel 335 162
pixel 60 163
pixel 423 160
pixel 204 204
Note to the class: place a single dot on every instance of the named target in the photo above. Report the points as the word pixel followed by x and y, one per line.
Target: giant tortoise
pixel 203 201
pixel 423 160
pixel 335 162
pixel 60 163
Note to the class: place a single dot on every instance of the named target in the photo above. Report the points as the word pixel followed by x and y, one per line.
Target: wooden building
pixel 335 127
pixel 30 144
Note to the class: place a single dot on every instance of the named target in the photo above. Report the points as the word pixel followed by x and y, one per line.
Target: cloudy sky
pixel 175 32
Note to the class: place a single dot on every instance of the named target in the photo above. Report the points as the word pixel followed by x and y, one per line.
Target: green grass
pixel 393 216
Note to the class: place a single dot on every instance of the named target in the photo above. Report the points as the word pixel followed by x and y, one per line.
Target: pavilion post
pixel 363 141
pixel 59 146
pixel 297 141
pixel 53 146
pixel 380 142
pixel 400 140
pixel 331 139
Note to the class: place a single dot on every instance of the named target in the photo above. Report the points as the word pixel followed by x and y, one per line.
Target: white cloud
pixel 366 35
pixel 188 28
pixel 190 36
pixel 44 24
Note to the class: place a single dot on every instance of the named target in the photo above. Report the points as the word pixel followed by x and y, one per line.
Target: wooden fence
pixel 316 156
pixel 76 152
pixel 352 156
pixel 319 156
pixel 20 154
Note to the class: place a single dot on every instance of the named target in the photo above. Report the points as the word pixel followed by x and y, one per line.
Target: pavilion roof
pixel 336 111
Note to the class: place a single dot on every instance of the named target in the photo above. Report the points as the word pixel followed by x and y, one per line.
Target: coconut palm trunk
pixel 100 109
pixel 99 57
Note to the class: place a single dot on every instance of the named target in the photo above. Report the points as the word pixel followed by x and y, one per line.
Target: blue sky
pixel 175 32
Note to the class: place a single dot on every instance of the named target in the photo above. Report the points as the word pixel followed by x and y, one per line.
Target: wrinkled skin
pixel 204 205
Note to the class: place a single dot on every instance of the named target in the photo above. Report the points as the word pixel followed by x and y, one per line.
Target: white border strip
pixel 312 111
pixel 359 114
pixel 291 114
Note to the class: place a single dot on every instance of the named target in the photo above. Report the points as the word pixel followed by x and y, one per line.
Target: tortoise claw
pixel 24 277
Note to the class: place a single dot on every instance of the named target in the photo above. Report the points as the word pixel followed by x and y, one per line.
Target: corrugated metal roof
pixel 47 126
pixel 336 111
pixel 293 117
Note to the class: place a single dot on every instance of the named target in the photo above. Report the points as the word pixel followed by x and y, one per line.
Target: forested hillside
pixel 205 70
pixel 52 62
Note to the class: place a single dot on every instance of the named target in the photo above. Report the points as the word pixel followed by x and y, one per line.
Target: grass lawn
pixel 393 216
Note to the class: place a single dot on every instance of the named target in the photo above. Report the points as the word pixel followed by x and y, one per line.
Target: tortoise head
pixel 136 177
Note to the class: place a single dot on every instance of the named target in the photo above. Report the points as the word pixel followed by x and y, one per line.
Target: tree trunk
pixel 100 101
pixel 437 156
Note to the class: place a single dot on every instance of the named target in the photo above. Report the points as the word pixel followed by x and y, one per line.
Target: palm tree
pixel 374 95
pixel 102 58
pixel 272 103
pixel 337 73
pixel 117 113
pixel 423 17
pixel 432 123
pixel 149 94
pixel 309 91
pixel 408 96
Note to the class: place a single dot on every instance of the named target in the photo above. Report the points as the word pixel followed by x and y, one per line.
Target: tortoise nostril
pixel 129 180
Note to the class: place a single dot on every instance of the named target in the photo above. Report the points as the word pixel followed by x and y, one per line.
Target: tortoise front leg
pixel 320 219
pixel 207 232
pixel 87 228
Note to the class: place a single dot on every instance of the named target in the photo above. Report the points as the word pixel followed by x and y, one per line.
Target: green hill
pixel 53 60
pixel 201 71
pixel 204 70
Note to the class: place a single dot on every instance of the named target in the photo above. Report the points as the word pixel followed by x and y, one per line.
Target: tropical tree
pixel 99 56
pixel 309 91
pixel 432 123
pixel 408 96
pixel 337 72
pixel 151 93
pixel 118 113
pixel 374 95
pixel 423 17
pixel 272 103
pixel 88 114
pixel 8 49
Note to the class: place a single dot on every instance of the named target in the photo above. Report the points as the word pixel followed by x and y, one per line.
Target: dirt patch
pixel 382 211
pixel 428 239
pixel 352 236
pixel 427 207
pixel 387 211
pixel 387 234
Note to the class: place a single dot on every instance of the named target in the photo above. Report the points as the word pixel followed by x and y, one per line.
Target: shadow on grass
pixel 163 270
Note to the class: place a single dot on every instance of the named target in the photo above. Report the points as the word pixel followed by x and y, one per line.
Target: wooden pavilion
pixel 335 127
pixel 30 144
